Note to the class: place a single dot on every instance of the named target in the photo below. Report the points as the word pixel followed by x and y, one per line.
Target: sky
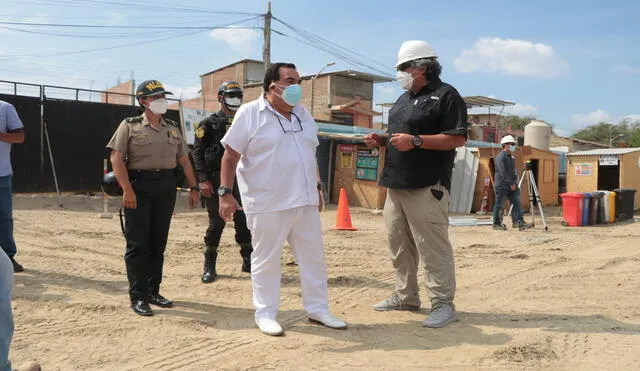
pixel 571 63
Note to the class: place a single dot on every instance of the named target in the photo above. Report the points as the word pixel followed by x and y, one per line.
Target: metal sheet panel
pixel 463 181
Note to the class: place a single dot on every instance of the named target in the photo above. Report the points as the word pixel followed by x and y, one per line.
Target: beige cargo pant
pixel 418 228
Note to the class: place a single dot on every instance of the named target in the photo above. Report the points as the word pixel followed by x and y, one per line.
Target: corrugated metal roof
pixel 480 101
pixel 481 144
pixel 475 101
pixel 604 151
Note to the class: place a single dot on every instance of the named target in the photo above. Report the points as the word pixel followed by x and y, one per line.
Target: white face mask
pixel 159 106
pixel 512 147
pixel 233 103
pixel 404 79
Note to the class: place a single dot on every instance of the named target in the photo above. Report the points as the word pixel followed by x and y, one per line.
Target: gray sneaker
pixel 440 315
pixel 393 303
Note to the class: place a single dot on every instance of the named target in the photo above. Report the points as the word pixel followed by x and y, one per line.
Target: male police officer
pixel 207 154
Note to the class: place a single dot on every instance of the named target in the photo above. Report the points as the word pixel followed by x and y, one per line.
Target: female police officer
pixel 152 145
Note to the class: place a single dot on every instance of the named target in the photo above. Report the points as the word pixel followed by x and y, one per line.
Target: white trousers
pixel 300 227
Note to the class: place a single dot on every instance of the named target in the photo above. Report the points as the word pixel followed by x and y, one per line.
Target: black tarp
pixel 78 132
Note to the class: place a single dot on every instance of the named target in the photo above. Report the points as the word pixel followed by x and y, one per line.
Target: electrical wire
pixel 147 7
pixel 146 27
pixel 316 38
pixel 338 55
pixel 103 48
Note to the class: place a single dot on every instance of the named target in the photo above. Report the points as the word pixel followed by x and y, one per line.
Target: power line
pixel 341 56
pixel 104 48
pixel 120 26
pixel 335 46
pixel 147 7
pixel 152 31
pixel 89 36
pixel 331 48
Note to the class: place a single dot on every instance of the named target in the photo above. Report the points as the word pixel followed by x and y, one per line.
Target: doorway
pixel 608 177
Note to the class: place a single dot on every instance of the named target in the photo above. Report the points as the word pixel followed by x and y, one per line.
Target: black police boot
pixel 141 307
pixel 245 252
pixel 17 268
pixel 209 274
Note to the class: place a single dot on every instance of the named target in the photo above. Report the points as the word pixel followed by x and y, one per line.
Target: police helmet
pixel 110 185
pixel 230 88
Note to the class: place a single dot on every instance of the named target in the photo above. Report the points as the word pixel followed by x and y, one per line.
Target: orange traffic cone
pixel 343 218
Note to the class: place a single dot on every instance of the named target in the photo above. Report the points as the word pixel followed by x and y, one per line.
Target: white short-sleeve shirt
pixel 278 167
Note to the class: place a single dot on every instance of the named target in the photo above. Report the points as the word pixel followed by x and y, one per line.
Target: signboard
pixel 367 163
pixel 347 147
pixel 190 120
pixel 608 160
pixel 366 174
pixel 584 169
pixel 347 160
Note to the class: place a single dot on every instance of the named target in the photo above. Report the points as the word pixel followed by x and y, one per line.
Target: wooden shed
pixel 358 170
pixel 604 170
pixel 545 168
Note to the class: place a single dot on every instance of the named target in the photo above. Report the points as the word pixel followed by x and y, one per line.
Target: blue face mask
pixel 512 147
pixel 291 94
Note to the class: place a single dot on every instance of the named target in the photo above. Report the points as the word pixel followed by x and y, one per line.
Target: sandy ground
pixel 564 299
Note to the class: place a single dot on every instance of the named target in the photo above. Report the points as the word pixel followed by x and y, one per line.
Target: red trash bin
pixel 572 209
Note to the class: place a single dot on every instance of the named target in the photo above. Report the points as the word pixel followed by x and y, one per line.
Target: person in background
pixel 6 316
pixel 207 155
pixel 11 132
pixel 506 186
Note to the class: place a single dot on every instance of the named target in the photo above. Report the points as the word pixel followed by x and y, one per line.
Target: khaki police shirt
pixel 146 147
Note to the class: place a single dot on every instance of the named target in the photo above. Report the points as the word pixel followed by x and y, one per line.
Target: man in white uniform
pixel 272 143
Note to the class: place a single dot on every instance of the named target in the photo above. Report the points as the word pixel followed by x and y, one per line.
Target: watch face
pixel 417 141
pixel 221 191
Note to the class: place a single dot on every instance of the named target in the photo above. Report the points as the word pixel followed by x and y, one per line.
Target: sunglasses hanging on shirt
pixel 286 130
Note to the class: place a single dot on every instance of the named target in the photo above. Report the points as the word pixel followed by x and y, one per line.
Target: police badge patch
pixel 200 133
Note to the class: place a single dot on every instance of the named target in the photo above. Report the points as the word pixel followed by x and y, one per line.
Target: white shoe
pixel 440 316
pixel 269 327
pixel 328 320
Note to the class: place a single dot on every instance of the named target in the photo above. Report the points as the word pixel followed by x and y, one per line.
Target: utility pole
pixel 313 82
pixel 266 52
pixel 133 88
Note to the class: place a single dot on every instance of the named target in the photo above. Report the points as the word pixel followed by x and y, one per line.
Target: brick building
pixel 120 94
pixel 343 97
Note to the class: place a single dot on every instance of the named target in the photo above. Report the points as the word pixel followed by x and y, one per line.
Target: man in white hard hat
pixel 505 184
pixel 426 124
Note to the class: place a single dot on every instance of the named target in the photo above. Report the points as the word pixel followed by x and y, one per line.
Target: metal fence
pixel 78 126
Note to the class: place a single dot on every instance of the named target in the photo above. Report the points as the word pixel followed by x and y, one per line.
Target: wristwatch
pixel 417 141
pixel 222 190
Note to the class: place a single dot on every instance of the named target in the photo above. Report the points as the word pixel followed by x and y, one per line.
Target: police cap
pixel 150 88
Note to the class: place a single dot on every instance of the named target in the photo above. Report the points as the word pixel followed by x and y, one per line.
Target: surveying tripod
pixel 533 194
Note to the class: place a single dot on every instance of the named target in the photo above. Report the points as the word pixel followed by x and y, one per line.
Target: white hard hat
pixel 508 139
pixel 414 49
